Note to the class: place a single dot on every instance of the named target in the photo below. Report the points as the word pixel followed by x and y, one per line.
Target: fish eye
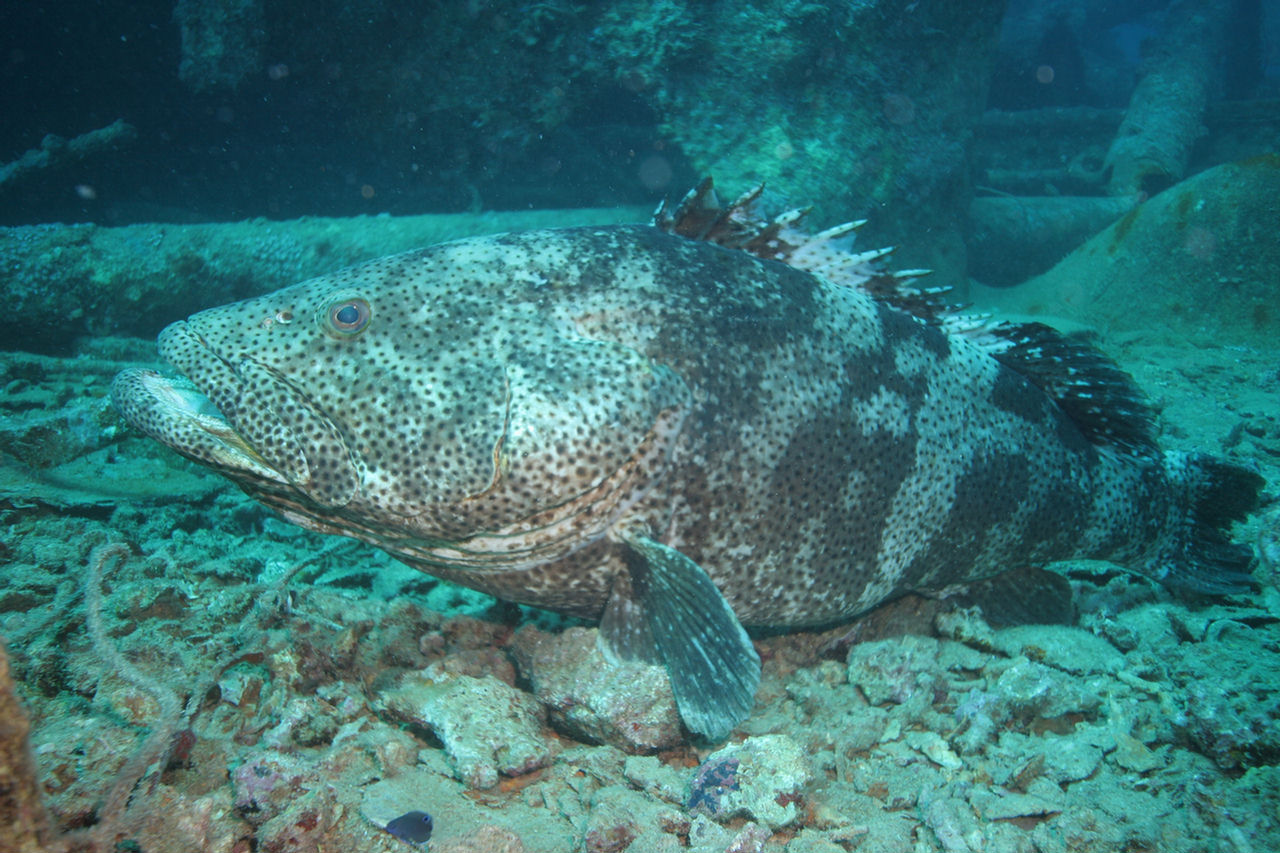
pixel 348 317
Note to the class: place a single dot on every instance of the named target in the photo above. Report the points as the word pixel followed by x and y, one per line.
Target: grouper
pixel 680 429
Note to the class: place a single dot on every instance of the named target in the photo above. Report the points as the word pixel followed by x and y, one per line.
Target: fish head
pixel 439 404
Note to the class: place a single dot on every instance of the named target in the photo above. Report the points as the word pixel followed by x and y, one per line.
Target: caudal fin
pixel 1215 494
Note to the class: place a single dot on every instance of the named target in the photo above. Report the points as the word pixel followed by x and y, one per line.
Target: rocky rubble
pixel 323 691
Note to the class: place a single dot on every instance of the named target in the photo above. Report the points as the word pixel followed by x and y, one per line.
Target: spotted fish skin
pixel 674 436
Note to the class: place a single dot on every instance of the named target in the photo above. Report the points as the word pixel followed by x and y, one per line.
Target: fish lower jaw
pixel 229 451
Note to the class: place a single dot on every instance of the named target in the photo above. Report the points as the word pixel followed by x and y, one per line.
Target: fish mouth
pixel 174 412
pixel 229 417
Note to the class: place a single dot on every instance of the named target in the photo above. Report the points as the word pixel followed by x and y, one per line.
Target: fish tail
pixel 1211 495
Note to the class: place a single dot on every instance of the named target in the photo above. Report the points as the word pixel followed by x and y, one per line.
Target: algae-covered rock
pixel 1059 758
pixel 1232 713
pixel 60 437
pixel 628 705
pixel 622 819
pixel 952 821
pixel 1041 798
pixel 1132 754
pixel 483 839
pixel 760 778
pixel 488 728
pixel 1199 262
pixel 935 748
pixel 1063 647
pixel 893 670
pixel 1032 690
pixel 461 822
pixel 207 823
pixel 647 773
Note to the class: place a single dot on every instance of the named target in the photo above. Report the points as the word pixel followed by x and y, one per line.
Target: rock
pixel 993 805
pixel 463 822
pixel 1034 690
pixel 1063 647
pixel 317 820
pixel 1020 760
pixel 649 774
pixel 979 713
pixel 811 841
pixel 623 819
pixel 966 625
pixel 482 839
pixel 1070 759
pixel 933 747
pixel 862 730
pixel 706 834
pixel 1231 710
pixel 487 727
pixel 303 824
pixel 1190 256
pixel 895 669
pixel 751 838
pixel 1151 624
pixel 952 822
pixel 266 784
pixel 207 824
pixel 760 779
pixel 627 705
pixel 1133 754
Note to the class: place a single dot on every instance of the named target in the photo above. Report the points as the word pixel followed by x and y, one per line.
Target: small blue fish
pixel 414 827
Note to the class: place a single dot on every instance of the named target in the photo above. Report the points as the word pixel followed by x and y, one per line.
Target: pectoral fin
pixel 668 608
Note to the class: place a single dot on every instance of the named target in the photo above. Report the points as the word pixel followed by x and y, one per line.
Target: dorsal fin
pixel 700 216
pixel 1090 388
pixel 1099 397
